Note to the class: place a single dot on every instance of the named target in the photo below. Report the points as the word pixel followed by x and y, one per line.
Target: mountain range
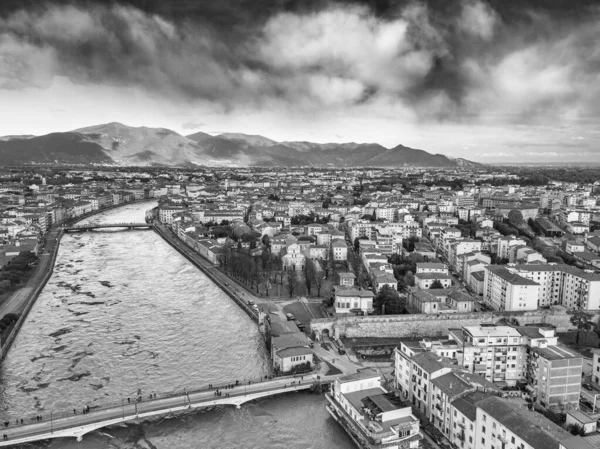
pixel 115 143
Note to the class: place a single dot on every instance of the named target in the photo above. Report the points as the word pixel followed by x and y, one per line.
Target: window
pixel 483 429
pixel 484 417
pixel 512 440
pixel 483 441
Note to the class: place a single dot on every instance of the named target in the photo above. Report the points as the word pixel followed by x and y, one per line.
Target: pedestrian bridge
pixel 92 226
pixel 76 425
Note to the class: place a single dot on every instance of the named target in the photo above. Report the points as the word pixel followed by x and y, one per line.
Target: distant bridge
pixel 77 425
pixel 92 226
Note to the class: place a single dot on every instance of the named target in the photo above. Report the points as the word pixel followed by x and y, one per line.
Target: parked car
pixel 290 317
pixel 587 386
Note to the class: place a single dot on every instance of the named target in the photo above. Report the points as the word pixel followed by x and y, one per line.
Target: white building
pixel 507 291
pixel 372 417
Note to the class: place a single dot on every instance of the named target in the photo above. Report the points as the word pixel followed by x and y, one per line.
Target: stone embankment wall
pixel 420 325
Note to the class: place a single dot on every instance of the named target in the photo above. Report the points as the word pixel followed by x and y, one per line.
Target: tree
pixel 309 274
pixel 266 240
pixel 292 278
pixel 515 217
pixel 409 244
pixel 388 301
pixel 581 320
pixel 409 279
pixel 357 243
pixel 319 279
pixel 436 284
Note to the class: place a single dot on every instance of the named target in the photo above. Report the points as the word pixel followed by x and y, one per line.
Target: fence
pixel 236 385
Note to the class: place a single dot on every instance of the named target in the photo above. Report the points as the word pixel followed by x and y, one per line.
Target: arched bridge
pixel 92 226
pixel 75 424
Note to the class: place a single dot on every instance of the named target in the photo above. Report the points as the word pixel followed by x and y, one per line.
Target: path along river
pixel 124 311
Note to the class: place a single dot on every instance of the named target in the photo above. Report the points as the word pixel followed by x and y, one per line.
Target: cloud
pixel 192 125
pixel 478 19
pixel 469 63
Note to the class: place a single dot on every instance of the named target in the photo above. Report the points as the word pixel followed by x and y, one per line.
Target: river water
pixel 124 311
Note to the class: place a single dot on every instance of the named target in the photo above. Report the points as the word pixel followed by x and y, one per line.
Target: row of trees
pixel 14 273
pixel 264 270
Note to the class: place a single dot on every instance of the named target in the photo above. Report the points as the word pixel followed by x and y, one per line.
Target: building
pixel 340 250
pixel 505 290
pixel 501 424
pixel 432 268
pixel 350 300
pixel 346 279
pixel 554 374
pixel 494 352
pixel 294 259
pixel 373 417
pixel 425 280
pixel 296 359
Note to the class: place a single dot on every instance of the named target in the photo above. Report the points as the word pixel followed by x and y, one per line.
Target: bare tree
pixel 309 274
pixel 319 279
pixel 292 278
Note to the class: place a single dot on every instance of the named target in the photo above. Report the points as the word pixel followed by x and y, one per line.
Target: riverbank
pixel 206 267
pixel 22 300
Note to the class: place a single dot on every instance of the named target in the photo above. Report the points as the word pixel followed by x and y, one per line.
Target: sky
pixel 490 81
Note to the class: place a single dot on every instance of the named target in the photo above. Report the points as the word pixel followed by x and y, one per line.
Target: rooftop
pixel 535 429
pixel 557 352
pixel 511 278
pixel 361 374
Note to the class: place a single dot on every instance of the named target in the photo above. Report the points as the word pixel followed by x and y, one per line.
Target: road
pixel 342 362
pixel 129 410
pixel 16 302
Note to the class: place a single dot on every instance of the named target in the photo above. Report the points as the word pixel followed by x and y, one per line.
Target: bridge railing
pixel 135 399
pixel 106 225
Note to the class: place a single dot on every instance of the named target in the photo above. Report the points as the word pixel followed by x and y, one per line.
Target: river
pixel 124 311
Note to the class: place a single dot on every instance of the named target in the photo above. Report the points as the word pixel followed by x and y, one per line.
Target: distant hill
pixel 70 148
pixel 126 145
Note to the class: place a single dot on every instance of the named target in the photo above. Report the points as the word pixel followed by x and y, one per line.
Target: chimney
pixel 451 385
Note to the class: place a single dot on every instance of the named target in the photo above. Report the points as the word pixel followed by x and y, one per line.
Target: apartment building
pixel 506 290
pixel 340 250
pixel 579 288
pixel 549 277
pixel 497 353
pixel 501 424
pixel 554 375
pixel 459 247
pixel 503 245
pixel 361 229
pixel 372 416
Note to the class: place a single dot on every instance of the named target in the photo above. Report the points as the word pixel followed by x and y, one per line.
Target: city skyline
pixel 487 81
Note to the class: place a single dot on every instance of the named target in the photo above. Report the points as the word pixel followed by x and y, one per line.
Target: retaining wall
pixel 170 240
pixel 421 325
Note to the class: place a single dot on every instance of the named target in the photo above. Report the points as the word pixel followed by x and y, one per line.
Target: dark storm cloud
pixel 459 60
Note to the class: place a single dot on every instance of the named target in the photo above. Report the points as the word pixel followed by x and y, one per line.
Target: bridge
pixel 76 425
pixel 92 226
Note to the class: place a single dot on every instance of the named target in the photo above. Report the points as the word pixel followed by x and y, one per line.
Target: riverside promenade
pixel 76 425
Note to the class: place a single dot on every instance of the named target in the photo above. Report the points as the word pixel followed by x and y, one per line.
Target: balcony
pixel 369 438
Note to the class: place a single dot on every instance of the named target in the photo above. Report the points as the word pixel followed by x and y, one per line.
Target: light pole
pixel 51 430
pixel 123 406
